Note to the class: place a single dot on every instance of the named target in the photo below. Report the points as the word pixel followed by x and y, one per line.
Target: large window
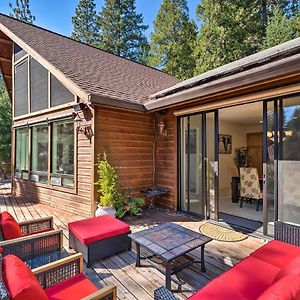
pixel 39 156
pixel 35 88
pixel 21 88
pixel 22 145
pixel 63 154
pixel 55 146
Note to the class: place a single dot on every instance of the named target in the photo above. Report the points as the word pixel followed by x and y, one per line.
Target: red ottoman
pixel 99 237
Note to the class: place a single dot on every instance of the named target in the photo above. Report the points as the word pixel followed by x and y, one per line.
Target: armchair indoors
pixel 250 186
pixel 60 280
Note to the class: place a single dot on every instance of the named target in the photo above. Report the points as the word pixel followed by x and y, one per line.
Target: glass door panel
pixel 289 161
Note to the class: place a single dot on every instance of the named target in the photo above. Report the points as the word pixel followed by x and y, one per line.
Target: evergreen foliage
pixel 122 31
pixel 5 123
pixel 107 182
pixel 173 39
pixel 21 11
pixel 279 29
pixel 84 22
pixel 230 30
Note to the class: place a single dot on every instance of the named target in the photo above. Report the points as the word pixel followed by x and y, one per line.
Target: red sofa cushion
pixel 293 268
pixel 287 288
pixel 247 280
pixel 76 287
pixel 9 226
pixel 217 290
pixel 20 281
pixel 99 228
pixel 277 253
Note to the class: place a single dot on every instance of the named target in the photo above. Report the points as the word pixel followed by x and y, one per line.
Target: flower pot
pixel 105 210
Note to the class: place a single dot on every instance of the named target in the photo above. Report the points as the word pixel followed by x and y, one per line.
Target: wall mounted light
pixel 86 129
pixel 161 128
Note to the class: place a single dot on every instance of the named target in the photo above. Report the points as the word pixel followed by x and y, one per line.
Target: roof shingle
pixel 93 70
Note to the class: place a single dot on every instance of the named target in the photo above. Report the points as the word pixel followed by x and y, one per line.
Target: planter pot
pixel 105 210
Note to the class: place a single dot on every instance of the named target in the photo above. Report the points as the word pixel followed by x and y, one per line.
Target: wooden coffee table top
pixel 169 241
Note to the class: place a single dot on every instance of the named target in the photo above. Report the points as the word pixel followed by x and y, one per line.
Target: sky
pixel 56 15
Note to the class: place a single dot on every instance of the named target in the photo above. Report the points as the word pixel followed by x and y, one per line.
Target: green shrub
pixel 107 182
pixel 128 203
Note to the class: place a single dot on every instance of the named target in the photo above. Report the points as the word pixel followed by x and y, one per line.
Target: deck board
pixel 138 283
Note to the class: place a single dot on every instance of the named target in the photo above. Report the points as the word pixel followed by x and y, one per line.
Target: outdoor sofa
pixel 271 272
pixel 29 239
pixel 60 280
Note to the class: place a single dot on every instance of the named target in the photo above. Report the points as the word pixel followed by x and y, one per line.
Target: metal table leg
pixel 203 269
pixel 168 275
pixel 138 255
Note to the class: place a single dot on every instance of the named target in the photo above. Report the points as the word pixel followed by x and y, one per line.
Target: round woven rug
pixel 220 233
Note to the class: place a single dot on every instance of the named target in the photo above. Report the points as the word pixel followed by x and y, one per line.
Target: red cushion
pixel 287 288
pixel 217 290
pixel 293 268
pixel 77 287
pixel 98 228
pixel 247 280
pixel 20 281
pixel 9 226
pixel 277 253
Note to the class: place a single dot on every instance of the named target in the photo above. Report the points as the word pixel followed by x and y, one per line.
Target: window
pixel 38 86
pixel 39 156
pixel 63 154
pixel 22 143
pixel 59 94
pixel 18 52
pixel 21 88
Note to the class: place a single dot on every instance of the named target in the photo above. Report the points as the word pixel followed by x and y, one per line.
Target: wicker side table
pixel 163 293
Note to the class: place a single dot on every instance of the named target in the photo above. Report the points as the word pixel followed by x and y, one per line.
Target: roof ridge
pixel 82 43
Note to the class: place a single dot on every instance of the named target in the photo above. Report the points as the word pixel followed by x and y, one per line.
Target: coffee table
pixel 170 243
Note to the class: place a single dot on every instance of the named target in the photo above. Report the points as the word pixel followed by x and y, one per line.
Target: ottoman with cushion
pixel 99 237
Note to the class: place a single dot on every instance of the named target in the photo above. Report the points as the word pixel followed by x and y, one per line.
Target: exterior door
pixel 281 162
pixel 198 165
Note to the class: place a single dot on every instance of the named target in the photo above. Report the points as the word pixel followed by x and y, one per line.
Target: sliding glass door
pixel 198 165
pixel 281 162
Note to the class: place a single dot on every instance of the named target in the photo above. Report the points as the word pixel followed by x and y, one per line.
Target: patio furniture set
pixel 35 266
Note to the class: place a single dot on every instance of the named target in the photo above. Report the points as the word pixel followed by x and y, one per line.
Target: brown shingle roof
pixel 93 70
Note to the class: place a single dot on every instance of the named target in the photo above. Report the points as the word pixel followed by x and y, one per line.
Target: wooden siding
pixel 128 137
pixel 77 200
pixel 166 160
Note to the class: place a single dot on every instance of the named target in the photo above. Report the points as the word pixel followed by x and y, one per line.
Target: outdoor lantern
pixel 86 129
pixel 162 131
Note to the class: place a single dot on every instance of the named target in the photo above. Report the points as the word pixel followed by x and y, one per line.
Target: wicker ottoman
pixel 99 237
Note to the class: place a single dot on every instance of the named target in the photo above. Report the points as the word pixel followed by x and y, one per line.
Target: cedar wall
pixel 128 137
pixel 77 200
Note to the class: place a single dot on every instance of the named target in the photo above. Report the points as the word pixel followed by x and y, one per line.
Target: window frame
pixel 48 185
pixel 49 108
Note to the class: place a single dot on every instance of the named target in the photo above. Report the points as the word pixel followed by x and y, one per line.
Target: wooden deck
pixel 120 270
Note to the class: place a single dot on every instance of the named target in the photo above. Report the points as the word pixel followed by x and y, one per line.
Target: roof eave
pixel 98 99
pixel 68 83
pixel 267 72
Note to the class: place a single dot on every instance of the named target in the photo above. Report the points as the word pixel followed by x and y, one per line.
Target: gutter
pixel 96 99
pixel 275 69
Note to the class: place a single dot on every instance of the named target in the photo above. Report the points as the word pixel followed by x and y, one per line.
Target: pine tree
pixel 5 123
pixel 22 11
pixel 279 29
pixel 230 30
pixel 84 22
pixel 122 31
pixel 173 40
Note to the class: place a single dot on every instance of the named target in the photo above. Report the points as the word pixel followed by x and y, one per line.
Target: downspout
pixel 154 151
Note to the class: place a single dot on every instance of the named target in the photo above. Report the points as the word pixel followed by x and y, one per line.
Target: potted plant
pixel 128 203
pixel 240 157
pixel 107 187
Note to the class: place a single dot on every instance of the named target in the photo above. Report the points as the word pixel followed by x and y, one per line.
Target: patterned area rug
pixel 220 233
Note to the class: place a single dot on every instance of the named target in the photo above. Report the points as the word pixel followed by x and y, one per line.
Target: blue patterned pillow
pixel 4 295
pixel 1 235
